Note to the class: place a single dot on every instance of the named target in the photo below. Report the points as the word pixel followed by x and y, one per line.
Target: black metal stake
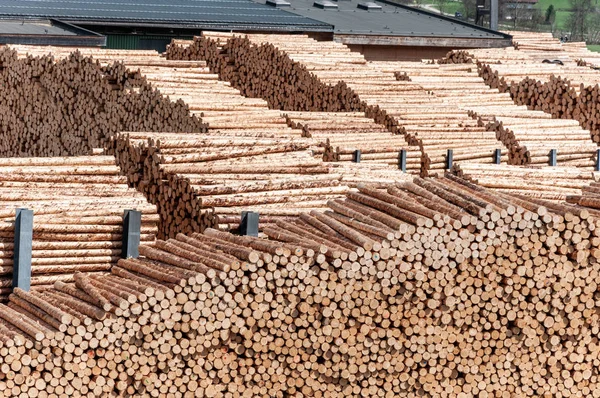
pixel 22 249
pixel 449 159
pixel 132 224
pixel 249 224
pixel 497 156
pixel 402 160
pixel 597 168
pixel 356 156
pixel 552 157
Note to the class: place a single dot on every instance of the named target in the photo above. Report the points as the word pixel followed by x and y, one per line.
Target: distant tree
pixel 535 21
pixel 578 21
pixel 441 5
pixel 593 36
pixel 518 12
pixel 550 14
pixel 469 9
pixel 502 5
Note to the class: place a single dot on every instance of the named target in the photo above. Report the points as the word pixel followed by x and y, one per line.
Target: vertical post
pixel 402 160
pixel 132 225
pixel 249 224
pixel 356 156
pixel 552 157
pixel 449 159
pixel 497 156
pixel 494 14
pixel 597 168
pixel 22 249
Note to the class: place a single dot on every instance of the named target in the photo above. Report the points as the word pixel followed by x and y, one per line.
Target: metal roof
pixel 12 27
pixel 228 14
pixel 47 32
pixel 390 20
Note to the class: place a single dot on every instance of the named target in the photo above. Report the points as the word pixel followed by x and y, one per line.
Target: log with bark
pixel 202 181
pixel 566 89
pixel 78 205
pixel 285 70
pixel 433 287
pixel 58 102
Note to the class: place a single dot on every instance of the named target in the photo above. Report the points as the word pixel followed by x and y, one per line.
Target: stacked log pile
pixel 203 181
pixel 264 71
pixel 78 205
pixel 545 46
pixel 531 46
pixel 40 91
pixel 217 103
pixel 246 142
pixel 566 90
pixel 582 56
pixel 406 287
pixel 401 106
pixel 435 287
pixel 529 135
pixel 549 88
pixel 551 183
pixel 226 112
pixel 431 122
pixel 540 46
pixel 342 134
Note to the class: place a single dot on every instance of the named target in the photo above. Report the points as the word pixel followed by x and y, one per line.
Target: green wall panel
pixel 140 42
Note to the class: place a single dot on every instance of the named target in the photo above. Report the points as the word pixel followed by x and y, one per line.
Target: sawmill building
pixel 379 29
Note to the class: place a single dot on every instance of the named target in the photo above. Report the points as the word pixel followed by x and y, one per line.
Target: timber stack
pixel 345 302
pixel 546 46
pixel 39 90
pixel 245 143
pixel 402 107
pixel 482 282
pixel 551 183
pixel 203 181
pixel 561 86
pixel 342 134
pixel 528 135
pixel 335 135
pixel 228 113
pixel 269 73
pixel 581 54
pixel 78 205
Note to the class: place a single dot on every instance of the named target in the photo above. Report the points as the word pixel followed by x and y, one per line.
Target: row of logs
pixel 401 106
pixel 566 91
pixel 78 205
pixel 528 135
pixel 551 183
pixel 58 102
pixel 263 71
pixel 430 287
pixel 342 134
pixel 204 181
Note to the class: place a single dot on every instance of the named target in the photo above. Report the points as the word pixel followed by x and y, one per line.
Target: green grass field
pixel 561 7
pixel 561 19
pixel 594 47
pixel 452 6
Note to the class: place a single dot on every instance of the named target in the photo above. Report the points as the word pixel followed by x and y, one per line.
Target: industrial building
pixel 380 29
